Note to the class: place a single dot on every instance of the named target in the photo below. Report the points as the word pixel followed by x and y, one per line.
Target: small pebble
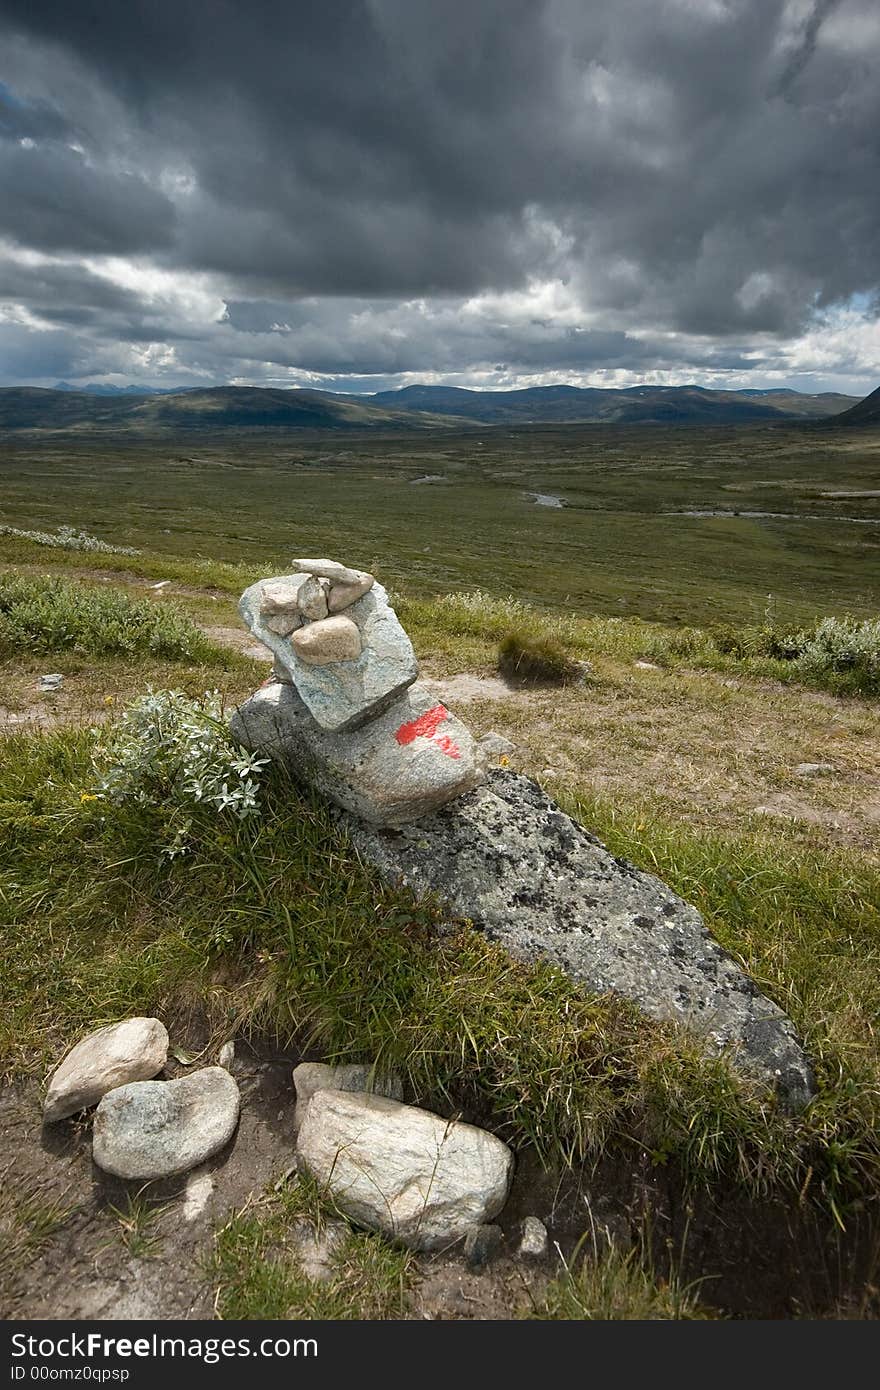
pixel 534 1241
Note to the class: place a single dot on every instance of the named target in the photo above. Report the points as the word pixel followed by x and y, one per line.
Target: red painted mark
pixel 426 726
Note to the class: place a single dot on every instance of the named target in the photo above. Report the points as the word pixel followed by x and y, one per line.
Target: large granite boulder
pixel 403 764
pixel 508 858
pixel 422 1180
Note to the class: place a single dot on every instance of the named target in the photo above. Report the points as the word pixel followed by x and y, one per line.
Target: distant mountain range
pixel 631 405
pixel 132 410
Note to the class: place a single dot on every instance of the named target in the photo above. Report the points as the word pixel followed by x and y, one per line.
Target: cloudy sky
pixel 359 194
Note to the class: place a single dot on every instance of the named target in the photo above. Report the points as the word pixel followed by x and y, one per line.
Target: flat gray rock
pixel 153 1129
pixel 345 694
pixel 133 1050
pixel 412 758
pixel 420 1179
pixel 508 857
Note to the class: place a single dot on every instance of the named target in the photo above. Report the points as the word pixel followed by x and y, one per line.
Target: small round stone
pixel 333 639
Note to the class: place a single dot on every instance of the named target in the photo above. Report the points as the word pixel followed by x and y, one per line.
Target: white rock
pixel 646 666
pixel 814 769
pixel 408 761
pixel 280 595
pixel 344 595
pixel 226 1055
pixel 534 1241
pixel 199 1190
pixel 418 1178
pixel 332 570
pixel 133 1050
pixel 327 641
pixel 312 598
pixel 53 681
pixel 153 1129
pixel 311 1077
pixel 317 1249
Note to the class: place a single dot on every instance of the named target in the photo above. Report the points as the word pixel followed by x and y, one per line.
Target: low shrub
pixel 44 614
pixel 173 753
pixel 68 538
pixel 536 658
pixel 841 653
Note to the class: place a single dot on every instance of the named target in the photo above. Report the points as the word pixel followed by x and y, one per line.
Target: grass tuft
pixel 612 1285
pixel 536 658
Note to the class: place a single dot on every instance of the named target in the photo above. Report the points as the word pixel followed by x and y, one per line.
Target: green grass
pixel 137 1224
pixel 29 1218
pixel 256 1274
pixel 47 614
pixel 274 926
pixel 602 1283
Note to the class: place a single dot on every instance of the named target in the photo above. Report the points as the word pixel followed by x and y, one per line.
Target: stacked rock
pixel 343 709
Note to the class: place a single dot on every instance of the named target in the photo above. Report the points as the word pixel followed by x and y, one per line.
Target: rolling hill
pixel 630 406
pixel 204 410
pixel 210 410
pixel 867 412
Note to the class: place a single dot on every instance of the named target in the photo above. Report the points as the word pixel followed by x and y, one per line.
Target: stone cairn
pixel 345 712
pixel 343 708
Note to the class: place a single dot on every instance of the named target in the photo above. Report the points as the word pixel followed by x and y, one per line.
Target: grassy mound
pixel 536 658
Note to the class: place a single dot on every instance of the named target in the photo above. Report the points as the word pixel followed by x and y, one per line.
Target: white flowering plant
pixel 68 538
pixel 173 753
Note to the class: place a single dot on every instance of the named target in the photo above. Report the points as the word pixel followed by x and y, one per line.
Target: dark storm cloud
pixel 702 167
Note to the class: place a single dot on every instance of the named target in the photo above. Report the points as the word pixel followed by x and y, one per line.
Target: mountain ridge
pixel 200 409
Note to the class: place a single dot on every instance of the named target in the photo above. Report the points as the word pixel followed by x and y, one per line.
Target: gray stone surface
pixel 507 857
pixel 814 769
pixel 482 1244
pixel 153 1129
pixel 348 693
pixel 332 570
pixel 533 1241
pixel 378 772
pixel 133 1050
pixel 311 1077
pixel 312 598
pixel 420 1179
pixel 495 745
